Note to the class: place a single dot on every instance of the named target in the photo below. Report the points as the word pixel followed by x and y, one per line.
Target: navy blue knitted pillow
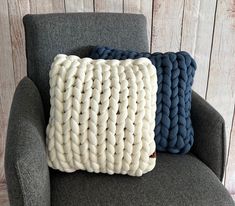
pixel 175 71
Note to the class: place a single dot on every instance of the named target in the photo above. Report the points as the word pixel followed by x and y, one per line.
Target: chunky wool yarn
pixel 175 71
pixel 102 115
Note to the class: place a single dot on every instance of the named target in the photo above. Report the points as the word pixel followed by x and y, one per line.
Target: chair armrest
pixel 209 129
pixel 26 169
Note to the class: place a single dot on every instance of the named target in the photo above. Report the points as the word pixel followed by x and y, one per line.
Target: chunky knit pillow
pixel 175 72
pixel 102 115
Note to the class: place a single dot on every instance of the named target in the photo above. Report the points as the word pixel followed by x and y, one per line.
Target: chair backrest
pixel 75 33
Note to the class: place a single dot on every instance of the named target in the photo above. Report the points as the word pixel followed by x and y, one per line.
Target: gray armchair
pixel 192 179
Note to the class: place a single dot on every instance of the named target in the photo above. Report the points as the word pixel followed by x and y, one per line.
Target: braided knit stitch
pixel 175 72
pixel 102 115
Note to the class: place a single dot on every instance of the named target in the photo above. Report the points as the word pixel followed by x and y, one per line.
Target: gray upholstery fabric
pixel 209 141
pixel 26 169
pixel 176 180
pixel 50 34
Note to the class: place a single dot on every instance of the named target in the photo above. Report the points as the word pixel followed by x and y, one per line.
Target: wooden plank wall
pixel 7 86
pixel 204 28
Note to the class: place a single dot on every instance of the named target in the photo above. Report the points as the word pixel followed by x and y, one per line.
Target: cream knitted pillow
pixel 102 115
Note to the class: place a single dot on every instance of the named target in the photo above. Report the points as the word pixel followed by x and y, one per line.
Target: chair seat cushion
pixel 177 180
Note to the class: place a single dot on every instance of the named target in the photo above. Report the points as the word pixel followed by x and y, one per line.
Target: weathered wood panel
pixel 79 6
pixel 221 81
pixel 48 6
pixel 140 7
pixel 3 195
pixel 167 23
pixel 108 6
pixel 197 32
pixel 7 82
pixel 17 9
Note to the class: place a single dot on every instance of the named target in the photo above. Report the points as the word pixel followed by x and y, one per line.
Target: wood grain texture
pixel 140 7
pixel 167 21
pixel 17 9
pixel 197 32
pixel 79 6
pixel 48 6
pixel 109 6
pixel 221 84
pixel 230 169
pixel 7 82
pixel 4 201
